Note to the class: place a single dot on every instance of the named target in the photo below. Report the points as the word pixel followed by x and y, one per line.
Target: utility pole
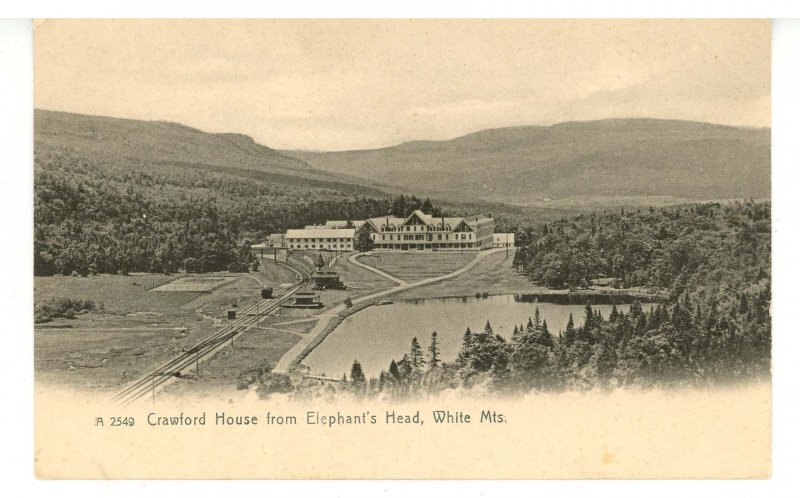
pixel 154 388
pixel 197 361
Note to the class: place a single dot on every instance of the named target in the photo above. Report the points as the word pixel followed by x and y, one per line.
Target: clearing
pixel 133 330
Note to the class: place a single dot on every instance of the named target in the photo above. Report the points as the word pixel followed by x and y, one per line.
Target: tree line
pixel 669 248
pixel 693 342
pixel 123 217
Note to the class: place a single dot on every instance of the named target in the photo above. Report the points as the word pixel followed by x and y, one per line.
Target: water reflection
pixel 379 334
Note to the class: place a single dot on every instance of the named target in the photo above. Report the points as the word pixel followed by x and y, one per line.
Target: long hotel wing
pixel 417 232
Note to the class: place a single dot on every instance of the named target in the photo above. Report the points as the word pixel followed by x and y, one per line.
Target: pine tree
pixel 357 374
pixel 394 371
pixel 569 333
pixel 434 351
pixel 588 322
pixel 614 313
pixel 417 360
pixel 466 346
pixel 547 338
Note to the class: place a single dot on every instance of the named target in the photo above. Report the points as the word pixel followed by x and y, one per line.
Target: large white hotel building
pixel 417 232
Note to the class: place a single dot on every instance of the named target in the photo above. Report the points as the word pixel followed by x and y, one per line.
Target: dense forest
pixel 693 342
pixel 119 217
pixel 674 248
pixel 715 328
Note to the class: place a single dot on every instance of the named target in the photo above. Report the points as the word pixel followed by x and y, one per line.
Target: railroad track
pixel 190 358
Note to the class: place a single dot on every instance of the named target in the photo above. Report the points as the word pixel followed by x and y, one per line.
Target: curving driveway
pixel 289 357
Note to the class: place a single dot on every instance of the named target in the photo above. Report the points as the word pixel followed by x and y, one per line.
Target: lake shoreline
pixel 384 333
pixel 556 296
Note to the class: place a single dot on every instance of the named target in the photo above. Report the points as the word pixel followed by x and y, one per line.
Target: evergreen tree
pixel 427 206
pixel 434 351
pixel 466 346
pixel 416 356
pixel 363 242
pixel 589 317
pixel 394 371
pixel 569 332
pixel 357 374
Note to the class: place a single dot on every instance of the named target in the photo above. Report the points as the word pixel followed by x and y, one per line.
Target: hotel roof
pixel 333 233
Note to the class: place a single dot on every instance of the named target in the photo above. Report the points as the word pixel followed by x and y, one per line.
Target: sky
pixel 359 84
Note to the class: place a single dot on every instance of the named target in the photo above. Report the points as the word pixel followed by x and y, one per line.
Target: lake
pixel 378 334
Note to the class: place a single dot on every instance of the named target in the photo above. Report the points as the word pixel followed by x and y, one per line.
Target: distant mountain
pixel 148 144
pixel 174 161
pixel 622 158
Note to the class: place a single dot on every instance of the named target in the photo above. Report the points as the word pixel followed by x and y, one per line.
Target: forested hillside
pixel 117 217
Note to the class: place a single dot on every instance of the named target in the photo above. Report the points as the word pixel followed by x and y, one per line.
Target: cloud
pixel 339 84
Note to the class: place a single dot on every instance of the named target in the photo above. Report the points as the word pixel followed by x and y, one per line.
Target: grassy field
pixel 194 284
pixel 219 374
pixel 132 330
pixel 493 274
pixel 114 293
pixel 415 266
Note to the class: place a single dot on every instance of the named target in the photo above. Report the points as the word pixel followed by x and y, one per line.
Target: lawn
pixel 113 293
pixel 219 374
pixel 415 266
pixel 493 274
pixel 132 330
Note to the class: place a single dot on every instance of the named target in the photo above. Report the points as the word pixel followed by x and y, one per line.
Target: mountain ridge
pixel 651 157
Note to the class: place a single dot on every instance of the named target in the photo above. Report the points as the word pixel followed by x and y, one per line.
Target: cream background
pixel 721 433
pixel 67 429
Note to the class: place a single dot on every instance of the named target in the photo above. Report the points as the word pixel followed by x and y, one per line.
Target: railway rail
pixel 190 358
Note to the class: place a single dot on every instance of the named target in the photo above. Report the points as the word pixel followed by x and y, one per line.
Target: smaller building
pixel 326 279
pixel 503 240
pixel 276 240
pixel 308 300
pixel 328 239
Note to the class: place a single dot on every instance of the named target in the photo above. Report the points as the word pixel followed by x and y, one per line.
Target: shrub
pixel 62 308
pixel 252 375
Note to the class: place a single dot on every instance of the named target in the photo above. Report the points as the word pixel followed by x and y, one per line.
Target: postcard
pixel 402 249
